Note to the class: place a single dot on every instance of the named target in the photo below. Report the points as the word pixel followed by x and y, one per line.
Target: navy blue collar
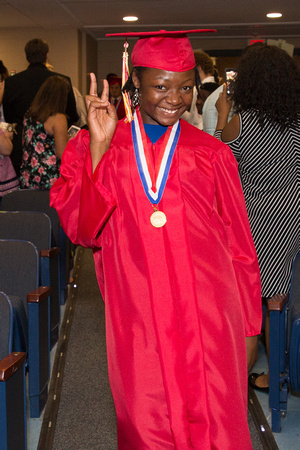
pixel 154 132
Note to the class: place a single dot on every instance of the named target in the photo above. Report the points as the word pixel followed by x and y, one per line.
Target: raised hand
pixel 223 104
pixel 102 120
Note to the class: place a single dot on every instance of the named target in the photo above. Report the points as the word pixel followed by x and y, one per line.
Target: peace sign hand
pixel 102 119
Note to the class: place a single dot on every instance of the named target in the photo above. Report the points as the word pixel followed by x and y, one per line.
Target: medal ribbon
pixel 153 186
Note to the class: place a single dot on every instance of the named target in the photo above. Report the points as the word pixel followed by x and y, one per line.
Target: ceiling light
pixel 130 18
pixel 274 15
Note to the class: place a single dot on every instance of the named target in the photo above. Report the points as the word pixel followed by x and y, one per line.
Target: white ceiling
pixel 234 18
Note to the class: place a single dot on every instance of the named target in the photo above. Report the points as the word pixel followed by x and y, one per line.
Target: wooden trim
pixel 10 364
pixel 50 253
pixel 39 294
pixel 277 302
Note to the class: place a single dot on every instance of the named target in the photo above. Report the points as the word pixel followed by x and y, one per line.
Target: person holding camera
pixel 264 136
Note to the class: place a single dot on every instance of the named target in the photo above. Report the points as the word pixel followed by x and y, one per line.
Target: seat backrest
pixel 6 325
pixel 293 328
pixel 34 200
pixel 19 268
pixel 294 295
pixel 29 226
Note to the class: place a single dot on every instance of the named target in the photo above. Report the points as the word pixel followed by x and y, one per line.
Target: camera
pixel 230 75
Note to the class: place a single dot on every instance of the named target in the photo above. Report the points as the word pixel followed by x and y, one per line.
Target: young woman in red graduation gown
pixel 181 290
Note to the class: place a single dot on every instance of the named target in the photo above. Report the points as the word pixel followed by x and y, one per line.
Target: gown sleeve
pixel 83 203
pixel 232 209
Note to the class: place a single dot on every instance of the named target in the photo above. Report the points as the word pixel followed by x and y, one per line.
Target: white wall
pixel 110 56
pixel 91 61
pixel 63 45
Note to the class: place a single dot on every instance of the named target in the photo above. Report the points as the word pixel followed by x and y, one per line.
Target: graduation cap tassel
pixel 125 75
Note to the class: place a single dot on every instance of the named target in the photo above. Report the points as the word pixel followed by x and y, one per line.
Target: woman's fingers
pixel 105 91
pixel 93 85
pixel 94 91
pixel 95 102
pixel 96 105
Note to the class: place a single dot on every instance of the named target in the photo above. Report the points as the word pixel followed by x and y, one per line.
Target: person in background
pixel 205 67
pixel 160 203
pixel 3 75
pixel 206 75
pixel 5 142
pixel 264 136
pixel 210 113
pixel 21 89
pixel 45 135
pixel 109 75
pixel 80 108
pixel 80 103
pixel 8 179
pixel 204 92
pixel 115 95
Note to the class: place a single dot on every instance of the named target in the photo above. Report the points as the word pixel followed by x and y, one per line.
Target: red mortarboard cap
pixel 165 50
pixel 114 80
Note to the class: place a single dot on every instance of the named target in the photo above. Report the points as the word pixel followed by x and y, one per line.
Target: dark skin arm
pixel 232 128
pixel 252 349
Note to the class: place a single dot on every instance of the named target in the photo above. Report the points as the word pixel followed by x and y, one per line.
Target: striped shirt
pixel 268 161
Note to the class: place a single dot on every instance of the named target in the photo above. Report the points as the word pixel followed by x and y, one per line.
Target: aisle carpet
pixel 85 418
pixel 80 413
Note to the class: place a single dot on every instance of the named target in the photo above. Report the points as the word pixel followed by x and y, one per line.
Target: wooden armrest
pixel 10 364
pixel 50 253
pixel 277 302
pixel 39 294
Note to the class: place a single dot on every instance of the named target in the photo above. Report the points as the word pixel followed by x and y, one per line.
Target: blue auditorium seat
pixel 19 279
pixel 284 357
pixel 12 384
pixel 39 200
pixel 35 227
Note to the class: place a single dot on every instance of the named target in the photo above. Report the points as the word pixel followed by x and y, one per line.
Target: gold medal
pixel 158 219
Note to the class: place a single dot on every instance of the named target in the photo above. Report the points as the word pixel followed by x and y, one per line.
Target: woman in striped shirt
pixel 264 136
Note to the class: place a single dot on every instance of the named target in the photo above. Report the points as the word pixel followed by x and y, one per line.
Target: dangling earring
pixel 135 98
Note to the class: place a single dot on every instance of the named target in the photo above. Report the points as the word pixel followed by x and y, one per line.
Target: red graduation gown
pixel 180 299
pixel 120 108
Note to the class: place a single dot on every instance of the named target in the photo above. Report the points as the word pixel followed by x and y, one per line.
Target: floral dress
pixel 40 166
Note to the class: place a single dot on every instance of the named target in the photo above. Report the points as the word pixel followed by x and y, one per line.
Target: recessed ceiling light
pixel 274 15
pixel 130 18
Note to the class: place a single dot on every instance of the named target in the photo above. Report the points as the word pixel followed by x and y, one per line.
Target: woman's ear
pixel 135 80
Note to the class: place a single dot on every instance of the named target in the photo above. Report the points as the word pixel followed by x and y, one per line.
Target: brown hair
pixel 50 99
pixel 3 71
pixel 204 61
pixel 36 51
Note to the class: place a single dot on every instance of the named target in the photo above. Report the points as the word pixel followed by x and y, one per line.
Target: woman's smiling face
pixel 164 95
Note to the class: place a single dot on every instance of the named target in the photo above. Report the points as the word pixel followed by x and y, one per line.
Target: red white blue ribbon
pixel 153 177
